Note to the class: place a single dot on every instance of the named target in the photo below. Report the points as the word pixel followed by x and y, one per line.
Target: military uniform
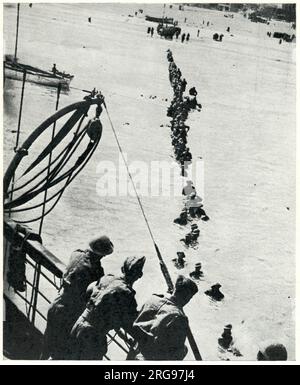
pixel 112 305
pixel 83 269
pixel 62 314
pixel 161 329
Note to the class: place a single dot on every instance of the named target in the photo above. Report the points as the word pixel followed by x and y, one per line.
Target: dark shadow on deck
pixel 21 340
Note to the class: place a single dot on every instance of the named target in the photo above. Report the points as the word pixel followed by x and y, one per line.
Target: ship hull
pixel 164 20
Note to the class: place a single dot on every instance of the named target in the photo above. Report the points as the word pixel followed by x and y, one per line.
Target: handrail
pixel 44 258
pixel 44 275
pixel 39 253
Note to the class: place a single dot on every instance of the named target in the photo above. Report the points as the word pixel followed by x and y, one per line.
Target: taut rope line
pixel 163 266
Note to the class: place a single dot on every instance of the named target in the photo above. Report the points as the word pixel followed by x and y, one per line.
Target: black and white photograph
pixel 149 182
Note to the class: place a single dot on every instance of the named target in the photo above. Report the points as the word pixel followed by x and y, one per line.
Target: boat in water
pixel 167 26
pixel 162 20
pixel 14 70
pixel 166 20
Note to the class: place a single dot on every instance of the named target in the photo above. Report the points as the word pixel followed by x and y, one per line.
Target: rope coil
pixel 55 169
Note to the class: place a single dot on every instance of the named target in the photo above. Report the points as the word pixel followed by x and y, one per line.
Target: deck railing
pixel 44 272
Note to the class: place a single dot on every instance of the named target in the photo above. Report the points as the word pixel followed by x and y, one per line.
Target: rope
pixel 31 193
pixel 163 266
pixel 45 168
pixel 17 31
pixel 20 111
pixel 18 130
pixel 133 185
pixel 63 132
pixel 17 142
pixel 26 304
pixel 155 101
pixel 53 178
pixel 69 180
pixel 57 168
pixel 32 290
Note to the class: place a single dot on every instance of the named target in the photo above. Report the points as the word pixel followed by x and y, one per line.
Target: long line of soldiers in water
pixel 193 209
pixel 91 303
pixel 179 110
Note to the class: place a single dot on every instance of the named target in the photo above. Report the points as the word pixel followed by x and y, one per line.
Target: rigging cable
pixel 32 192
pixel 51 164
pixel 49 161
pixel 18 130
pixel 83 158
pixel 17 31
pixel 57 168
pixel 7 247
pixel 53 177
pixel 46 186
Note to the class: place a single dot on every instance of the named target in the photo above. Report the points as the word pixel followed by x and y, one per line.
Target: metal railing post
pixel 36 292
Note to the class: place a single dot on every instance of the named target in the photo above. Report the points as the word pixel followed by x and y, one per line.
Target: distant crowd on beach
pixel 173 31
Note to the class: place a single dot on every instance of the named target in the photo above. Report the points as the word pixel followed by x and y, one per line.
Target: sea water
pixel 244 135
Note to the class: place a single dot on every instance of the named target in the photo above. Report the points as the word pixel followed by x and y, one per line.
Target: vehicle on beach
pixel 258 19
pixel 167 31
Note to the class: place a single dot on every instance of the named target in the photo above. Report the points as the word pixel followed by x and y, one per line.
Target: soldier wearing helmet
pixel 161 326
pixel 84 268
pixel 112 305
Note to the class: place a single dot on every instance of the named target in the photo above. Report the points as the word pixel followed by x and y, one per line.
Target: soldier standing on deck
pixel 161 327
pixel 112 305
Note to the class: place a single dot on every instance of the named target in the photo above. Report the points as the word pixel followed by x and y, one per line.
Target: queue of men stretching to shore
pixel 179 110
pixel 91 303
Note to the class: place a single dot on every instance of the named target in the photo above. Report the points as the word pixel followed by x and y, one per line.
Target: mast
pixel 164 14
pixel 17 31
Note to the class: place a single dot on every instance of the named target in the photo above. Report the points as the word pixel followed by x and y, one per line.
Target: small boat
pixel 15 70
pixel 165 20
